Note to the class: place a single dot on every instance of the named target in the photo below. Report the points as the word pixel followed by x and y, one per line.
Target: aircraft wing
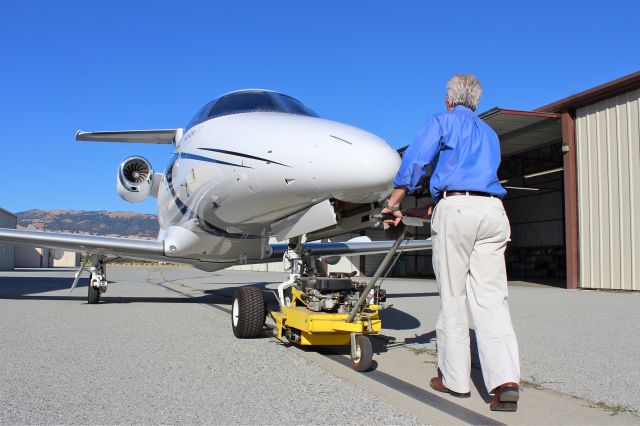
pixel 134 248
pixel 93 244
pixel 157 136
pixel 352 248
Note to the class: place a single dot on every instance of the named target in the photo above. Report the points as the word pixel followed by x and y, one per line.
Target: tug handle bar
pixel 406 220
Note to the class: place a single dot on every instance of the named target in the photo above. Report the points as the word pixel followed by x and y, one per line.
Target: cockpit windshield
pixel 236 103
pixel 250 101
pixel 294 106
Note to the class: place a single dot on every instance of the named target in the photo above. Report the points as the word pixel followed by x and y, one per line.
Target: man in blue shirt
pixel 469 231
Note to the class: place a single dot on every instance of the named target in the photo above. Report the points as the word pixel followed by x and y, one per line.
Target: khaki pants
pixel 469 235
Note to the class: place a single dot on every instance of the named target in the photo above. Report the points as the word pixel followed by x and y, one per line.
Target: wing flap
pixel 154 136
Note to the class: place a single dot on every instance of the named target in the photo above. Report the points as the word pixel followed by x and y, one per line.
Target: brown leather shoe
pixel 505 397
pixel 436 383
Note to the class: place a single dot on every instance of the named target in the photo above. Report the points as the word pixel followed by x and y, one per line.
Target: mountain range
pixel 123 224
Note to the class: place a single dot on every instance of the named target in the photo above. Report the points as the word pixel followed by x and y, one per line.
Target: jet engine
pixel 135 179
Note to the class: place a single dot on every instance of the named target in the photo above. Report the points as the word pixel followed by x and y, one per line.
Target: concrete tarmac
pixel 160 350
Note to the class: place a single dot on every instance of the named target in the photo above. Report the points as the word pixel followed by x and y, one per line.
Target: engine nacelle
pixel 135 179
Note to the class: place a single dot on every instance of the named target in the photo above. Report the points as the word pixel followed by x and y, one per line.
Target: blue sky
pixel 380 65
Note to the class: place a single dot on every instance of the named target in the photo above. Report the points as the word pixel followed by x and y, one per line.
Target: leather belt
pixel 475 193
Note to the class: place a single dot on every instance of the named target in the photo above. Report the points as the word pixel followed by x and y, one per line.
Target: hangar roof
pixel 7 212
pixel 521 130
pixel 596 94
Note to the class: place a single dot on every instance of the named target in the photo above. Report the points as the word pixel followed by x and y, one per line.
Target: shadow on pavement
pixel 228 291
pixel 422 339
pixel 14 287
pixel 31 288
pixel 395 319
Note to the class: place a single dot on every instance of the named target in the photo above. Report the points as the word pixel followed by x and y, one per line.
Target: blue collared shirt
pixel 464 153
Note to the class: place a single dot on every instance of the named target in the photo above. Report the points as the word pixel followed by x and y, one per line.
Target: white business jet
pixel 251 165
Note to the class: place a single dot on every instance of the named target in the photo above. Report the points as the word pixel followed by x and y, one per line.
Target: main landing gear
pixel 97 278
pixel 97 281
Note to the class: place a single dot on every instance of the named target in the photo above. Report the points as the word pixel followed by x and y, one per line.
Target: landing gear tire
pixel 94 293
pixel 247 312
pixel 361 353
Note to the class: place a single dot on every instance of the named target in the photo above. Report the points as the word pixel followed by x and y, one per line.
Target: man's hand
pixel 394 200
pixel 398 216
pixel 422 213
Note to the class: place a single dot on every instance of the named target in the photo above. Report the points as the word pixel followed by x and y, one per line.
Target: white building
pixel 7 220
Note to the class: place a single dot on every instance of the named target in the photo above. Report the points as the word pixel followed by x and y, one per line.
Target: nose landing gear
pixel 319 310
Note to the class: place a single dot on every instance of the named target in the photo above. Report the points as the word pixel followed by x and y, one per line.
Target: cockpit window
pixel 250 101
pixel 201 115
pixel 235 103
pixel 294 106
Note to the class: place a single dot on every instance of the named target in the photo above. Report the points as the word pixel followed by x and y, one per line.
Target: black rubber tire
pixel 364 350
pixel 247 312
pixel 94 294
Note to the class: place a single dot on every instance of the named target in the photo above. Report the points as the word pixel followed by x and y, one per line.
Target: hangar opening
pixel 532 172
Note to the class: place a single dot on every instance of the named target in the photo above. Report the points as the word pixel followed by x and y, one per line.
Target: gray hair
pixel 464 89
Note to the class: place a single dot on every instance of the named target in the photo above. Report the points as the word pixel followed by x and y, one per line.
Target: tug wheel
pixel 361 353
pixel 247 312
pixel 94 293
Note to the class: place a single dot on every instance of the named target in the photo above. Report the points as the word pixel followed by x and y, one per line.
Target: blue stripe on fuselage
pixel 184 209
pixel 240 154
pixel 197 157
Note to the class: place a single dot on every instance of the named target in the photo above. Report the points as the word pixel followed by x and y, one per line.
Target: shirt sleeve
pixel 420 153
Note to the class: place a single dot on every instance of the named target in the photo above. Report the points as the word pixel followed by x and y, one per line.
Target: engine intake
pixel 135 179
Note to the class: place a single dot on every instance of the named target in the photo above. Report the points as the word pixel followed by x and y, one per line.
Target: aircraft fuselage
pixel 231 177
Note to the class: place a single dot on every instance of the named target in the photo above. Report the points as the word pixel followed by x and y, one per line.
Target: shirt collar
pixel 462 108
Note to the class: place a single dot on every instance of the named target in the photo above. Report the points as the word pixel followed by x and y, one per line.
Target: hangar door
pixel 608 163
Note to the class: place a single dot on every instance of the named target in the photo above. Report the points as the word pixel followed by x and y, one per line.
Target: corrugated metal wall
pixel 608 158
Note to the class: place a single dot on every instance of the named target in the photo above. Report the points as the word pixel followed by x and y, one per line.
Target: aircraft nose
pixel 375 162
pixel 362 168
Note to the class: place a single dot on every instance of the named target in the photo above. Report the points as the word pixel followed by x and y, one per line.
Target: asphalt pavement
pixel 148 355
pixel 160 350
